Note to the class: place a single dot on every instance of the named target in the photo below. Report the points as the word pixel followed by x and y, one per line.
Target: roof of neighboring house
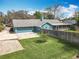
pixel 70 22
pixel 35 22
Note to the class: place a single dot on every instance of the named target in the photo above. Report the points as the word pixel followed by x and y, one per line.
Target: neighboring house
pixel 73 23
pixel 35 25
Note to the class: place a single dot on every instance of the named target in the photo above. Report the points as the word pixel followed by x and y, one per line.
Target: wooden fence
pixel 67 36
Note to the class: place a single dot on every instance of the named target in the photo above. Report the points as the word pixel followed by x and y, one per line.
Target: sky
pixel 67 5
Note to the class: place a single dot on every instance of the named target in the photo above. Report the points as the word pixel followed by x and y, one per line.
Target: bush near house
pixel 41 39
pixel 1 27
pixel 72 27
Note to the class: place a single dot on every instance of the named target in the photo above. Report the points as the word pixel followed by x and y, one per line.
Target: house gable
pixel 47 26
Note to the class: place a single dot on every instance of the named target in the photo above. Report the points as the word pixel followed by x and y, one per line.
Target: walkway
pixel 9 46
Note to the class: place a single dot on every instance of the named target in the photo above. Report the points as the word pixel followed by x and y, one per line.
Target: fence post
pixel 71 37
pixel 67 35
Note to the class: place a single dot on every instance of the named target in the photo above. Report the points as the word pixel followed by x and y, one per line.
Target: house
pixel 35 25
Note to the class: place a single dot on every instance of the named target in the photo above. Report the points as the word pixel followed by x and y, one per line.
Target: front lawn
pixel 50 49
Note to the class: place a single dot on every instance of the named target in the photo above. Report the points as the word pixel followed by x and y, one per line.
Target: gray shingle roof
pixel 35 22
pixel 70 22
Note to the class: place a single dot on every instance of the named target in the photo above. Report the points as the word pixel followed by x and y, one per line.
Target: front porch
pixel 61 27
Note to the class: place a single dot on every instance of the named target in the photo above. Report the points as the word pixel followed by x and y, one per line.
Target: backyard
pixel 49 48
pixel 75 31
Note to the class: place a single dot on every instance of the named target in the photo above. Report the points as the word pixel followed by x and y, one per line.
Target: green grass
pixel 51 49
pixel 75 31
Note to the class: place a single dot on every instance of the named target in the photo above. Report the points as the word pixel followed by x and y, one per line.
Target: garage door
pixel 21 30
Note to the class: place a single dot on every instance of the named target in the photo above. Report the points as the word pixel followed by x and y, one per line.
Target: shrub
pixel 40 40
pixel 72 27
pixel 1 27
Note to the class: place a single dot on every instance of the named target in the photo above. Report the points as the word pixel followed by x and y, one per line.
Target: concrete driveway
pixel 26 35
pixel 5 35
pixel 9 42
pixel 9 46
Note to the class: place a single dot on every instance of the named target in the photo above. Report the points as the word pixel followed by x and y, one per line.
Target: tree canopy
pixel 37 15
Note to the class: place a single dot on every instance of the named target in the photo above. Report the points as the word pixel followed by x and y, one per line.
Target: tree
pixel 1 16
pixel 52 11
pixel 50 15
pixel 21 14
pixel 1 21
pixel 37 15
pixel 76 17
